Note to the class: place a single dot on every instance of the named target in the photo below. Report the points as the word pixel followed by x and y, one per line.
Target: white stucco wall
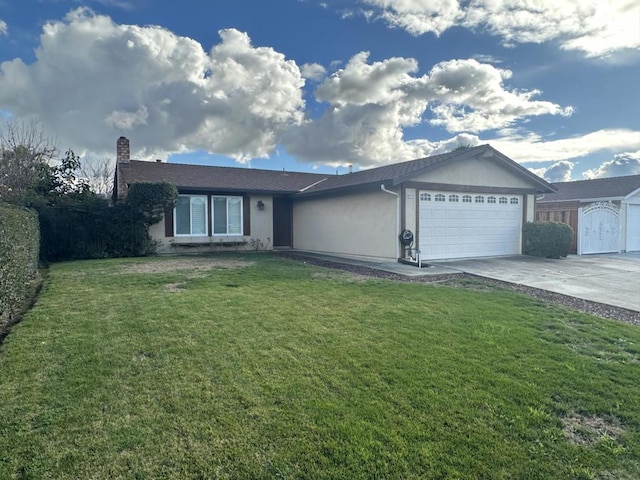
pixel 358 224
pixel 261 224
pixel 485 172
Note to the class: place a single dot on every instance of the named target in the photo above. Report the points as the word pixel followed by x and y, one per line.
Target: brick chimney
pixel 122 163
pixel 122 150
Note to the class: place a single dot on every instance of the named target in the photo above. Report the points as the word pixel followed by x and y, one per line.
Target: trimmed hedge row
pixel 547 239
pixel 93 231
pixel 19 253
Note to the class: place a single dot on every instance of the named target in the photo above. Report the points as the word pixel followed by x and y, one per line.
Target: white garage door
pixel 454 225
pixel 633 228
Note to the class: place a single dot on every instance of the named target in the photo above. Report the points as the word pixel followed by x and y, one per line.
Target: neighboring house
pixel 604 213
pixel 467 203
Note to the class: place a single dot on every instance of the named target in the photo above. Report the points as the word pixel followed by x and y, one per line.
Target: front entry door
pixel 282 222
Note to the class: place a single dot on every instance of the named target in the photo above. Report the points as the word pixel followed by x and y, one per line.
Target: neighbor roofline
pixel 583 200
pixel 631 194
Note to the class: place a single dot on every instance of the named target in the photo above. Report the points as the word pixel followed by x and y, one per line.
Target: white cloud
pixel 127 121
pixel 472 97
pixel 534 149
pixel 4 29
pixel 313 71
pixel 596 28
pixel 558 172
pixel 94 80
pixel 360 83
pixel 627 163
pixel 371 104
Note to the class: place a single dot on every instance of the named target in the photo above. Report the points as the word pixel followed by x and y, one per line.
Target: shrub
pixel 547 239
pixel 152 199
pixel 19 244
pixel 93 230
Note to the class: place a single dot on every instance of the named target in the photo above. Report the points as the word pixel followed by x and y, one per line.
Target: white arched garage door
pixel 599 227
pixel 466 225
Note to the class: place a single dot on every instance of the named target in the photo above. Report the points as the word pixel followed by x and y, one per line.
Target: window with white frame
pixel 227 215
pixel 190 215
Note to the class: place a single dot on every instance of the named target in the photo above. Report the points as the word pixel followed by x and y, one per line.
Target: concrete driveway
pixel 613 279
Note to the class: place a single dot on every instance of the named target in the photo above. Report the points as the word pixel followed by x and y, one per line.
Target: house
pixel 604 213
pixel 466 203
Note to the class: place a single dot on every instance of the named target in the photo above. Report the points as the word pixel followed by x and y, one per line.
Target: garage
pixel 604 213
pixel 464 225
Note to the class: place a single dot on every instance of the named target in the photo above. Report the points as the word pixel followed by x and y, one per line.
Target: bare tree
pixel 98 174
pixel 24 149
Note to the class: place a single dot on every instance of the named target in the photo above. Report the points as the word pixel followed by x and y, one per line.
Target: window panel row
pixel 455 198
pixel 191 214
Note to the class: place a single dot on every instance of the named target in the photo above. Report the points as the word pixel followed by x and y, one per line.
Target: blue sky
pixel 317 85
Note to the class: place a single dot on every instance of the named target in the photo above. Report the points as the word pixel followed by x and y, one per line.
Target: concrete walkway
pixel 612 279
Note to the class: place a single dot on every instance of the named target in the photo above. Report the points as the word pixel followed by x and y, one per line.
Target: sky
pixel 317 85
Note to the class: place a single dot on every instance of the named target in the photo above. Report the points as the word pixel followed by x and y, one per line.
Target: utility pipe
pixel 397 216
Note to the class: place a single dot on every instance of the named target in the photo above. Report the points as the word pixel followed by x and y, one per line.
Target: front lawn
pixel 246 367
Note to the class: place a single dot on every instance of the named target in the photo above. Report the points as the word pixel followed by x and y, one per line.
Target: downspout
pixel 397 216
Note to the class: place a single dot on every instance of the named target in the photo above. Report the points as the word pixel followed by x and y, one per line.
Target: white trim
pixel 312 185
pixel 629 195
pixel 206 217
pixel 213 220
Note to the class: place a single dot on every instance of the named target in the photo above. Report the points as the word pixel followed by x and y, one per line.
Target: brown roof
pixel 600 188
pixel 203 177
pixel 400 172
pixel 199 177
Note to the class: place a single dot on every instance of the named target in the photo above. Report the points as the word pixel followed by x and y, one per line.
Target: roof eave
pixel 343 189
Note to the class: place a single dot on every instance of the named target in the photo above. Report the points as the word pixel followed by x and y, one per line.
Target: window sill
pixel 208 241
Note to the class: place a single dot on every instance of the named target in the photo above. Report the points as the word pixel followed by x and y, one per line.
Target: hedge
pixel 19 253
pixel 547 239
pixel 94 230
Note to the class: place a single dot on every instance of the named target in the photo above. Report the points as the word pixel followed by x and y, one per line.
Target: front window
pixel 227 215
pixel 191 215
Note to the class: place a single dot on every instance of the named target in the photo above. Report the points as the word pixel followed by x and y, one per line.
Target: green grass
pixel 278 369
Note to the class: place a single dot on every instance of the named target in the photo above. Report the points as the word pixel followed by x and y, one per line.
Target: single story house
pixel 467 203
pixel 604 213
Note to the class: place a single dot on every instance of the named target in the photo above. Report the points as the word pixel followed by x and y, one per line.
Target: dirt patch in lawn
pixel 341 276
pixel 200 264
pixel 174 287
pixel 589 430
